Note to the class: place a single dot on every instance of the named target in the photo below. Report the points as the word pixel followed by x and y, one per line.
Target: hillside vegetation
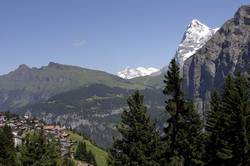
pixel 94 110
pixel 100 155
pixel 30 85
pixel 150 81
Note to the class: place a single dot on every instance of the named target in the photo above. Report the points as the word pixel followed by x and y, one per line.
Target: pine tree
pixel 217 150
pixel 7 131
pixel 236 111
pixel 91 158
pixel 84 155
pixel 228 142
pixel 183 140
pixel 81 152
pixel 139 141
pixel 7 149
pixel 213 130
pixel 52 153
pixel 213 113
pixel 37 150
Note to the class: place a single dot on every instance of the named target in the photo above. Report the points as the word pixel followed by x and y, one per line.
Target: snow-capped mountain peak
pixel 196 23
pixel 130 73
pixel 195 36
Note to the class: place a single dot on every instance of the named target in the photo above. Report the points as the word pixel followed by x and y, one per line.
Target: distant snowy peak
pixel 195 36
pixel 130 73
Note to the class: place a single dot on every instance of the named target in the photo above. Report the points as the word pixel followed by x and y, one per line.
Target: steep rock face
pixel 195 36
pixel 228 51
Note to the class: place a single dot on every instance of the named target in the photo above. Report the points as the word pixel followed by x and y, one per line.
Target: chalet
pixel 20 126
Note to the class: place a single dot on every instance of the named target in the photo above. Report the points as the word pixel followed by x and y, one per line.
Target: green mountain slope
pixel 94 110
pixel 29 85
pixel 149 81
pixel 101 156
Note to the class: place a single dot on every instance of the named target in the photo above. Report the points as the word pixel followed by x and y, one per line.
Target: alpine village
pixel 194 111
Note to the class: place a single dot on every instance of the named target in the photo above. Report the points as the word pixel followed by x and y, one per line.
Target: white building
pixel 17 139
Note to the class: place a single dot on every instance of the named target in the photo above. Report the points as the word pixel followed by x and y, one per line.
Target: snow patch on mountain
pixel 195 36
pixel 130 73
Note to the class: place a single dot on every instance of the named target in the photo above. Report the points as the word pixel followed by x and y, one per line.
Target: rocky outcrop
pixel 228 51
pixel 195 36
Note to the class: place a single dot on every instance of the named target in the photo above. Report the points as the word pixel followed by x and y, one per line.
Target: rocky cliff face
pixel 195 36
pixel 228 51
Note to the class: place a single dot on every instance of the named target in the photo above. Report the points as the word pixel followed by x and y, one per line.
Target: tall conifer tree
pixel 38 150
pixel 81 152
pixel 228 135
pixel 184 135
pixel 217 150
pixel 7 149
pixel 139 141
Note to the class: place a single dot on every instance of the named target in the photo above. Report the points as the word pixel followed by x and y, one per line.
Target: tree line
pixel 223 140
pixel 84 155
pixel 36 150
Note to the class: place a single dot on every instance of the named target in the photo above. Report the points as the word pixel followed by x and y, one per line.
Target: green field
pixel 100 155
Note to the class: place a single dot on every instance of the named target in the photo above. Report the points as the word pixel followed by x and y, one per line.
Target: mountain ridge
pixel 227 52
pixel 195 36
pixel 25 84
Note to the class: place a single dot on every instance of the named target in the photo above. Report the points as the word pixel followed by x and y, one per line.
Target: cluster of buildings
pixel 20 126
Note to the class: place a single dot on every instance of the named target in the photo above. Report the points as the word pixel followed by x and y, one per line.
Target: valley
pixel 92 101
pixel 190 111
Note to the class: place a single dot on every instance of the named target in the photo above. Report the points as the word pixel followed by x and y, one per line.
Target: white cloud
pixel 79 43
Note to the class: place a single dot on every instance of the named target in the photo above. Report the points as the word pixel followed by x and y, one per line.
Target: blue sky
pixel 106 35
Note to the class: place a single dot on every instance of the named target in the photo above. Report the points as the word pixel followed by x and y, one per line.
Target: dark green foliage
pixel 231 124
pixel 37 150
pixel 7 150
pixel 8 133
pixel 213 129
pixel 183 140
pixel 218 150
pixel 91 158
pixel 174 105
pixel 92 100
pixel 81 152
pixel 139 144
pixel 84 155
pixel 213 113
pixel 236 104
